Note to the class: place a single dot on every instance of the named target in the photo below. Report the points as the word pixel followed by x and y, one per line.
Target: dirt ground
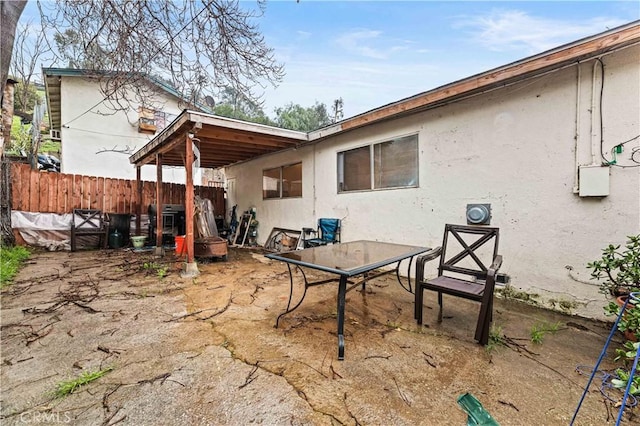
pixel 205 351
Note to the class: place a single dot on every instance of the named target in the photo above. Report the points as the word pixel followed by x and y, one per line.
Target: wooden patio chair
pixel 87 222
pixel 467 269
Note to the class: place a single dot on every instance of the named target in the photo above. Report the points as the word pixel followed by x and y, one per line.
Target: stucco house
pixel 550 142
pixel 96 138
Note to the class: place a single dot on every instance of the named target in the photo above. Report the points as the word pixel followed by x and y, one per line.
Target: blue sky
pixel 372 53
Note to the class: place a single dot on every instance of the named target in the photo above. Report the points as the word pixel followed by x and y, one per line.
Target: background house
pixel 96 139
pixel 550 142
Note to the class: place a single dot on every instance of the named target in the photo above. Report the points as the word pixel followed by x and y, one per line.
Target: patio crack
pixel 259 365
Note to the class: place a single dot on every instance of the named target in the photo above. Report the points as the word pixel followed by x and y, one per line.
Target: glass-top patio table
pixel 347 260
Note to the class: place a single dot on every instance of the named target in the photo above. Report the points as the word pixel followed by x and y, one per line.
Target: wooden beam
pixel 138 199
pixel 191 268
pixel 159 221
pixel 239 137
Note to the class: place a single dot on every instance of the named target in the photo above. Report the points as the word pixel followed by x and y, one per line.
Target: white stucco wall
pixel 513 147
pixel 88 128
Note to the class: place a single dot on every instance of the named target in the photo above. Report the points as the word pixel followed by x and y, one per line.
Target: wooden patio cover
pixel 218 142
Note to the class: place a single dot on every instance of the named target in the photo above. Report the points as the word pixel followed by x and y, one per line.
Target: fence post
pixel 6 234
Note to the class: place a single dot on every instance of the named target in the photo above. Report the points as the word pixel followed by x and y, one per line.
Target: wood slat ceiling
pixel 221 141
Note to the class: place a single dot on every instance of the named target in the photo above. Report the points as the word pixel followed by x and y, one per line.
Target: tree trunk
pixel 10 12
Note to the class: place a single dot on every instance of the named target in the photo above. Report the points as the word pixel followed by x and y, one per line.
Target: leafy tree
pixel 234 104
pixel 296 117
pixel 26 98
pixel 72 51
pixel 30 47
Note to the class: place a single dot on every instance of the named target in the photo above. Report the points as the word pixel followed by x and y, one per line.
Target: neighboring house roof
pixel 52 78
pixel 226 141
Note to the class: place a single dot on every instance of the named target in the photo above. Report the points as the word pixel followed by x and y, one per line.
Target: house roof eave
pixel 544 62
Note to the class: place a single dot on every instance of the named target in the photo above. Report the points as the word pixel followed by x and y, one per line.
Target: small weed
pixel 509 292
pixel 160 270
pixel 539 330
pixel 70 386
pixel 10 261
pixel 496 338
pixel 565 306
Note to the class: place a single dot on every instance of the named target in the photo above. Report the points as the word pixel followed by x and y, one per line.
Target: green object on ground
pixel 477 415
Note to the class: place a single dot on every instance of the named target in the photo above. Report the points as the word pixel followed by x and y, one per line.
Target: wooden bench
pixel 87 222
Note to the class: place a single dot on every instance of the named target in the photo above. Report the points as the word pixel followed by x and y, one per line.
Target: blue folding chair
pixel 328 232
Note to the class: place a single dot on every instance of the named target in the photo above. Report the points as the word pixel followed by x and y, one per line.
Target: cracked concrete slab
pixel 204 350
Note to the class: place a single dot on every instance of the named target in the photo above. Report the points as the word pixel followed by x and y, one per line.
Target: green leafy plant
pixel 623 379
pixel 10 261
pixel 629 321
pixel 160 270
pixel 539 330
pixel 618 271
pixel 628 351
pixel 70 386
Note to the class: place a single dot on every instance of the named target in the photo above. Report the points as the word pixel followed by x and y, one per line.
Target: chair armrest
pixel 493 269
pixel 430 255
pixel 421 260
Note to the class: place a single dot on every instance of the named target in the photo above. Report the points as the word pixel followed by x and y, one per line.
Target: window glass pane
pixel 396 163
pixel 271 183
pixel 355 165
pixel 292 181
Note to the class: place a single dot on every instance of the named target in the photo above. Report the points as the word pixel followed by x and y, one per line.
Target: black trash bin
pixel 121 222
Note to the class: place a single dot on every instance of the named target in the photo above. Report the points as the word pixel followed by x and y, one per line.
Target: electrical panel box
pixel 594 181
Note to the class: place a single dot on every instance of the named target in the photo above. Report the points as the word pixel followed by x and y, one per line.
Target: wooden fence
pixel 35 191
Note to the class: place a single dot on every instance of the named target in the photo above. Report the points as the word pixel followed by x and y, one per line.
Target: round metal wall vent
pixel 478 214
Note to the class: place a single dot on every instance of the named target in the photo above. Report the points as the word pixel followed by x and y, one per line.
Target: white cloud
pixel 372 44
pixel 362 85
pixel 504 30
pixel 356 42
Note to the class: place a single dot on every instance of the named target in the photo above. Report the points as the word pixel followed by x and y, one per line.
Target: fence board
pixel 64 183
pixel 52 192
pixel 16 187
pixel 34 204
pixel 76 194
pixel 37 191
pixel 128 196
pixel 100 193
pixel 93 189
pixel 86 192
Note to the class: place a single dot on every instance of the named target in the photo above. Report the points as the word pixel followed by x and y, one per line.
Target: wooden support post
pixel 138 199
pixel 191 268
pixel 159 222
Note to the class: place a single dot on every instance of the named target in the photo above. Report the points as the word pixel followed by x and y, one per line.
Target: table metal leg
pixel 342 290
pixel 291 293
pixel 409 289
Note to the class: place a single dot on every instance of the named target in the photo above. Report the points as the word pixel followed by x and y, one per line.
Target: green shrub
pixel 10 261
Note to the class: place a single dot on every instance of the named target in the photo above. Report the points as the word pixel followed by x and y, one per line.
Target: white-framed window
pixel 383 165
pixel 282 182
